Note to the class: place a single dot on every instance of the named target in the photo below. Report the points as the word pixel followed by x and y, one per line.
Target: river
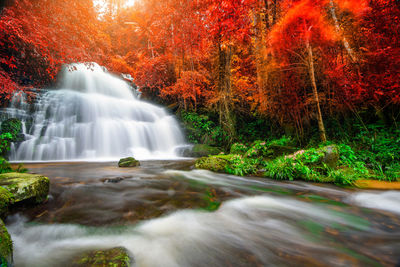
pixel 167 214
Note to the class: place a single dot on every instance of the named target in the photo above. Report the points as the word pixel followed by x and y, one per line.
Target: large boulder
pixel 26 187
pixel 201 150
pixel 213 163
pixel 115 257
pixel 128 162
pixel 6 248
pixel 6 199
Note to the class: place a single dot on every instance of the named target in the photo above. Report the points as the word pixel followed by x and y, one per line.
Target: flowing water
pixel 167 214
pixel 93 115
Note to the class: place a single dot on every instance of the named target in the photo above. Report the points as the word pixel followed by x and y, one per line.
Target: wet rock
pixel 128 162
pixel 201 150
pixel 6 248
pixel 26 187
pixel 6 199
pixel 115 257
pixel 213 163
pixel 113 180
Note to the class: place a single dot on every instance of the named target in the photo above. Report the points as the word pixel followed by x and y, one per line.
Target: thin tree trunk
pixel 260 51
pixel 321 126
pixel 339 31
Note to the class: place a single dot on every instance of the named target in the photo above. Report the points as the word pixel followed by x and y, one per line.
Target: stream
pixel 168 214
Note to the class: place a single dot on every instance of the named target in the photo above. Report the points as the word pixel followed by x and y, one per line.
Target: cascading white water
pixel 94 115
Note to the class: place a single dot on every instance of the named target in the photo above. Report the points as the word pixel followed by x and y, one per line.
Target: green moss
pixel 26 186
pixel 213 163
pixel 114 257
pixel 128 162
pixel 6 248
pixel 6 198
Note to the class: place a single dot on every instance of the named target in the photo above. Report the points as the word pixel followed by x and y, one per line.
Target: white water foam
pixel 388 200
pixel 256 226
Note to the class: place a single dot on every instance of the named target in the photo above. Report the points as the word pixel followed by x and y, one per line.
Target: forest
pixel 233 71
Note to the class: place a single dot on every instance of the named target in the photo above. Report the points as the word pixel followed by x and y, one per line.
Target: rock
pixel 331 156
pixel 128 162
pixel 26 187
pixel 6 199
pixel 213 163
pixel 113 180
pixel 201 150
pixel 6 248
pixel 98 258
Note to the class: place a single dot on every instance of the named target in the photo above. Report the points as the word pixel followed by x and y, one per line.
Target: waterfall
pixel 93 115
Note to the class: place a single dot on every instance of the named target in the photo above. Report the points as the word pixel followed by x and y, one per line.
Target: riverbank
pixel 336 164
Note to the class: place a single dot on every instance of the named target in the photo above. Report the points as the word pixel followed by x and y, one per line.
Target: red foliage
pixel 191 89
pixel 153 74
pixel 37 37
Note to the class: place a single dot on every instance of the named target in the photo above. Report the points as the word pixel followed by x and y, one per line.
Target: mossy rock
pixel 213 163
pixel 6 248
pixel 128 162
pixel 26 187
pixel 201 150
pixel 114 257
pixel 6 199
pixel 331 156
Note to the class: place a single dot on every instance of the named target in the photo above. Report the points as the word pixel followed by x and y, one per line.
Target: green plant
pixel 4 166
pixel 238 148
pixel 259 148
pixel 340 177
pixel 280 169
pixel 238 165
pixel 200 129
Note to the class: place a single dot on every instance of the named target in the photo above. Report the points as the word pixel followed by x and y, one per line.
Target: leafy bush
pixel 283 141
pixel 200 129
pixel 285 168
pixel 378 146
pixel 238 165
pixel 4 166
pixel 238 148
pixel 10 130
pixel 261 148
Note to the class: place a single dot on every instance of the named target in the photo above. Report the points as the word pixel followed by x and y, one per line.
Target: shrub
pixel 238 148
pixel 238 165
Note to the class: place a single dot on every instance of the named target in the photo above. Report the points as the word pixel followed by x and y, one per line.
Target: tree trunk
pixel 260 50
pixel 311 70
pixel 226 117
pixel 339 31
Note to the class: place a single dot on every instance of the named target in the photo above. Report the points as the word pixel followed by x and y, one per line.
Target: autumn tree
pixel 35 43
